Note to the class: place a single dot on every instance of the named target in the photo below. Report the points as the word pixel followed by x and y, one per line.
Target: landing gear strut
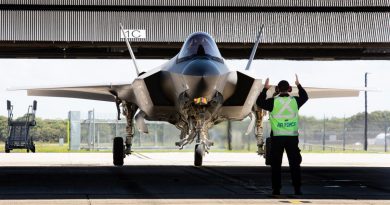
pixel 129 110
pixel 202 146
pixel 197 119
pixel 121 148
pixel 259 132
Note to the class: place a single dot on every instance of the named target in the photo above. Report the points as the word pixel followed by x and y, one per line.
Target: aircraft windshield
pixel 200 44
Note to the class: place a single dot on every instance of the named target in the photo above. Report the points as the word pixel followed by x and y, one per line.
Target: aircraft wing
pixel 90 92
pixel 314 92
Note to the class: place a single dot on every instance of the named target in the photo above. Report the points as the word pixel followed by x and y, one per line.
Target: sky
pixel 70 72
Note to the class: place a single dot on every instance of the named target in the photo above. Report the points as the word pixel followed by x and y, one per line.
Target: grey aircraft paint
pixel 193 91
pixel 200 72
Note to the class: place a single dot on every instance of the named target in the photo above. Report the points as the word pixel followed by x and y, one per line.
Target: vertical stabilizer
pixel 255 48
pixel 130 50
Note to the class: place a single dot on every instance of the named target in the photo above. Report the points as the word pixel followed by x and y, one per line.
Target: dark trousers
pixel 278 145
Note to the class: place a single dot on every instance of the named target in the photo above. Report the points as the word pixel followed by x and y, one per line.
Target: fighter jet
pixel 193 91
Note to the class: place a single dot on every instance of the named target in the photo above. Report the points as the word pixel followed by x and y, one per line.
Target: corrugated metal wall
pixel 206 2
pixel 176 26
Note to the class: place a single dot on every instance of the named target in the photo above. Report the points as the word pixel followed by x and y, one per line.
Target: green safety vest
pixel 284 117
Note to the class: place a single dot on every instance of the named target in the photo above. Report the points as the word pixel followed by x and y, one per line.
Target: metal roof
pixel 233 27
pixel 342 29
pixel 228 3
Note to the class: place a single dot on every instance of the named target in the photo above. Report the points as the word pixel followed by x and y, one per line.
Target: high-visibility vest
pixel 284 116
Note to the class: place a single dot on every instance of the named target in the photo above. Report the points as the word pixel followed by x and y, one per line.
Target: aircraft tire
pixel 118 151
pixel 199 152
pixel 7 150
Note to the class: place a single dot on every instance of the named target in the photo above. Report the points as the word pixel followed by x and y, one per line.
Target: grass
pixel 44 148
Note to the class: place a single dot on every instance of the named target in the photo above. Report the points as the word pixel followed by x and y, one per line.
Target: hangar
pixel 310 29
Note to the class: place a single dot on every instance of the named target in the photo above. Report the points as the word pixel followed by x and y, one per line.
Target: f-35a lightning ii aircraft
pixel 193 91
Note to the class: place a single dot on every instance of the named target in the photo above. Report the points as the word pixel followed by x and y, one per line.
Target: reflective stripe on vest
pixel 284 117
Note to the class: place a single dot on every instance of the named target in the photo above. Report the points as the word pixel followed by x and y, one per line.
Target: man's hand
pixel 296 80
pixel 266 85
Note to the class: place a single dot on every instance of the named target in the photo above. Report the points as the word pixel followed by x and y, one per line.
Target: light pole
pixel 365 111
pixel 385 137
pixel 229 135
pixel 323 136
pixel 344 130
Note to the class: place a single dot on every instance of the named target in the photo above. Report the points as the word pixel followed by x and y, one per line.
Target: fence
pixel 332 134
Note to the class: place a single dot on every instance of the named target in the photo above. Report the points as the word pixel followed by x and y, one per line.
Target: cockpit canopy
pixel 200 44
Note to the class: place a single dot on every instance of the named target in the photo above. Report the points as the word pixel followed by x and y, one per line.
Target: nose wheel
pixel 199 153
pixel 118 151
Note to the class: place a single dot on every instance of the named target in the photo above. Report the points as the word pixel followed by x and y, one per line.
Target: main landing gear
pixel 122 148
pixel 259 132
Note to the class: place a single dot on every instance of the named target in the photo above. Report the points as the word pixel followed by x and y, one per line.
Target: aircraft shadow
pixel 188 182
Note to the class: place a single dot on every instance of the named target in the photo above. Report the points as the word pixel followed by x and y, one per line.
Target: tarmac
pixel 170 178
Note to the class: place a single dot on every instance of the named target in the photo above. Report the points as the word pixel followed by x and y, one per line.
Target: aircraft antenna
pixel 255 48
pixel 130 50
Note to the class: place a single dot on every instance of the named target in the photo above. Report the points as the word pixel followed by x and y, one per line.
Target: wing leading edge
pixel 94 92
pixel 104 92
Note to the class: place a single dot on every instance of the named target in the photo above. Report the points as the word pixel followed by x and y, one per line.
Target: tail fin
pixel 130 50
pixel 254 48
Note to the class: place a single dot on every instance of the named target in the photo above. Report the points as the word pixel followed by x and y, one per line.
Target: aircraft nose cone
pixel 201 68
pixel 201 86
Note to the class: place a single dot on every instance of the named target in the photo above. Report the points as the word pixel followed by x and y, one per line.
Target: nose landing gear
pixel 202 146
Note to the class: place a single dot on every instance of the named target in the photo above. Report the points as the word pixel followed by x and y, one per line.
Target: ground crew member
pixel 283 110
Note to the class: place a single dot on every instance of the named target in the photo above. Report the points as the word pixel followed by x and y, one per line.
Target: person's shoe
pixel 297 191
pixel 275 192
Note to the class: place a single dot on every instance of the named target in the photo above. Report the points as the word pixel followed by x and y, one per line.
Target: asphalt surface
pixel 72 179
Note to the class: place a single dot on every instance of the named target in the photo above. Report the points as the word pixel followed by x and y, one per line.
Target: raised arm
pixel 303 97
pixel 262 101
